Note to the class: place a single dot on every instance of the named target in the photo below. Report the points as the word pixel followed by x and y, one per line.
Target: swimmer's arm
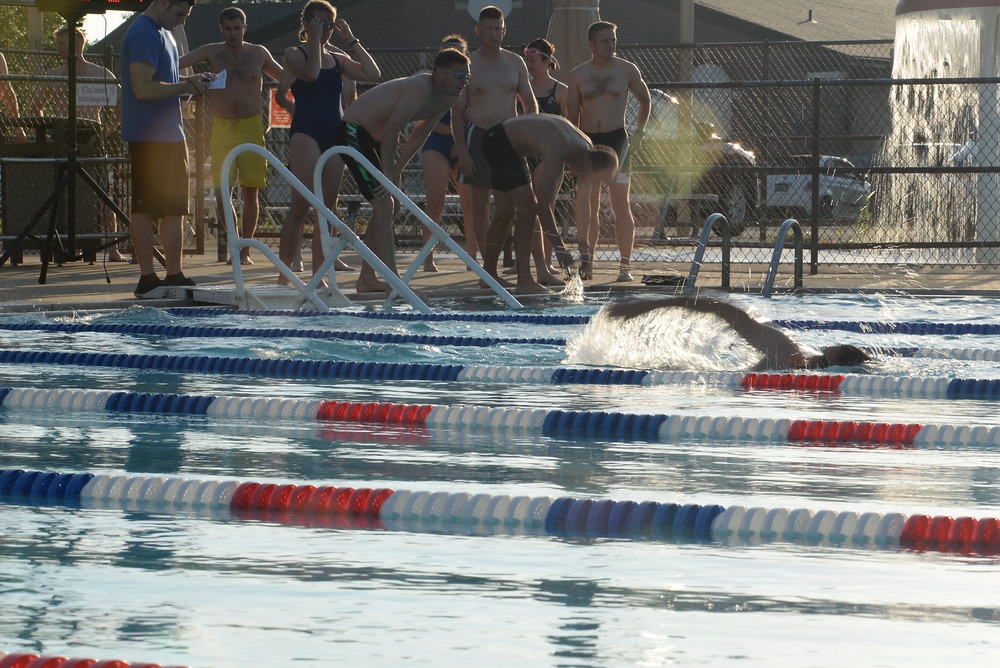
pixel 778 349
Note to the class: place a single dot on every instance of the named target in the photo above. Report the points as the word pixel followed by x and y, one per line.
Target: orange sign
pixel 279 117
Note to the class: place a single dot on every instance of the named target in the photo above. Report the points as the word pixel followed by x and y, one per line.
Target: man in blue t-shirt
pixel 154 129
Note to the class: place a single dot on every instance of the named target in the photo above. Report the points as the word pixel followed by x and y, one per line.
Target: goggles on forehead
pixel 531 51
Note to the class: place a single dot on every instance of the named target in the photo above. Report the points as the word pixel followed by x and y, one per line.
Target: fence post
pixel 814 243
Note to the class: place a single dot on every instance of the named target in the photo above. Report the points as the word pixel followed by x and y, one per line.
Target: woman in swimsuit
pixel 439 162
pixel 313 72
pixel 539 56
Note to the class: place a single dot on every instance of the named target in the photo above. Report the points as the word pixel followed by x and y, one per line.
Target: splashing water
pixel 671 339
pixel 573 290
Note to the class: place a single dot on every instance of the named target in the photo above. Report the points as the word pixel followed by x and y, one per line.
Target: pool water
pixel 204 587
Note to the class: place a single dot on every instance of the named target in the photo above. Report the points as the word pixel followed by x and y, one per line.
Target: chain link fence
pixel 877 170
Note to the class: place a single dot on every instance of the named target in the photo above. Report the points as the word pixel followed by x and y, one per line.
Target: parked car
pixel 843 193
pixel 737 192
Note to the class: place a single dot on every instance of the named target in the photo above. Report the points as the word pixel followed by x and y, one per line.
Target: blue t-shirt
pixel 150 120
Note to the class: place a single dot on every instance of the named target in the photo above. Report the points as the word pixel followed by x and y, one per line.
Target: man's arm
pixel 415 140
pixel 639 89
pixel 778 349
pixel 145 88
pixel 573 98
pixel 192 58
pixel 403 113
pixel 524 93
pixel 466 165
pixel 548 177
pixel 270 66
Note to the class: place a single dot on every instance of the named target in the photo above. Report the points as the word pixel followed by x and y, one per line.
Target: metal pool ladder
pixel 779 246
pixel 299 293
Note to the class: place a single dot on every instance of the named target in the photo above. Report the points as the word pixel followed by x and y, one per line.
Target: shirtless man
pixel 779 350
pixel 8 99
pixel 237 112
pixel 556 142
pixel 372 125
pixel 499 79
pixel 56 94
pixel 596 101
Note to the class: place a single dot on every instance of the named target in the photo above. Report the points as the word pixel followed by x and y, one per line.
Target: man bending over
pixel 372 126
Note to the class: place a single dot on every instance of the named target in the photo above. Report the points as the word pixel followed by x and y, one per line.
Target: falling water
pixel 932 123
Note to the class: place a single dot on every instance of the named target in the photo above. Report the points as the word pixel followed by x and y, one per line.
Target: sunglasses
pixel 536 52
pixel 458 74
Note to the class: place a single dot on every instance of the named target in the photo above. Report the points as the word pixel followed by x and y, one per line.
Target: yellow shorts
pixel 228 133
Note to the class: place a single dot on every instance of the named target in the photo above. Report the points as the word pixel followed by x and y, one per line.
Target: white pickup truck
pixel 842 193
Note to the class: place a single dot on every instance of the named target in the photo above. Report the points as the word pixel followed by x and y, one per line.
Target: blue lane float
pixel 369 507
pixel 532 319
pixel 878 327
pixel 824 384
pixel 284 333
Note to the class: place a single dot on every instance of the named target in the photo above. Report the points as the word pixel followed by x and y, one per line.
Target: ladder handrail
pixel 332 248
pixel 438 233
pixel 699 252
pixel 779 246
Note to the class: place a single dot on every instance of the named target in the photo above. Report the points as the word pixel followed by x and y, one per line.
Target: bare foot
pixel 366 285
pixel 340 265
pixel 509 271
pixel 504 283
pixel 297 266
pixel 552 270
pixel 586 269
pixel 245 257
pixel 429 266
pixel 547 278
pixel 114 255
pixel 528 286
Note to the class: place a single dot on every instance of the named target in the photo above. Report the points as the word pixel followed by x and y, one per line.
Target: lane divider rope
pixel 30 660
pixel 843 384
pixel 865 327
pixel 388 508
pixel 879 327
pixel 536 319
pixel 247 332
pixel 556 423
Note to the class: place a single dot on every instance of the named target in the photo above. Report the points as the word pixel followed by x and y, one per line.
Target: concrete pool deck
pixel 81 285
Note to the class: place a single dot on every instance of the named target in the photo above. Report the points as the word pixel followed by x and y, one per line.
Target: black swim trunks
pixel 355 136
pixel 509 170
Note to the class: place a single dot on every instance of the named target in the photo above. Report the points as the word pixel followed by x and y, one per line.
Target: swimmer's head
pixel 843 355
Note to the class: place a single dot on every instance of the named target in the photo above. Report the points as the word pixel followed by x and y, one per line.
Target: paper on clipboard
pixel 219 81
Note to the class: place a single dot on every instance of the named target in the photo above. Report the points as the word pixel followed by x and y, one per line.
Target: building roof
pixel 395 25
pixel 831 19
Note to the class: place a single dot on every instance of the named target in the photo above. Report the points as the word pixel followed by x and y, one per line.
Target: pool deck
pixel 81 285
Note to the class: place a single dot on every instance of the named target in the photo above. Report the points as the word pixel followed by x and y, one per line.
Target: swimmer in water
pixel 779 350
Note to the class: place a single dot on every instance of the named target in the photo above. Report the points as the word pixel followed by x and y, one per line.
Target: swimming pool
pixel 203 585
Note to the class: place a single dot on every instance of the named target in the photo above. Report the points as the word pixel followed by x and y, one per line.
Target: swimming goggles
pixel 458 74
